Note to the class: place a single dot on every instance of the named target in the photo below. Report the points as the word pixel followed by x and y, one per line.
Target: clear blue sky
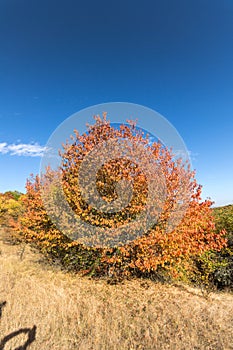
pixel 176 57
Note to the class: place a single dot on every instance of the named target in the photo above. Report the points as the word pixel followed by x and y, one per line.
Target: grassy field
pixel 73 312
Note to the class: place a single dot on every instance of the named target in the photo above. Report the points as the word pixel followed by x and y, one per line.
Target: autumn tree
pixel 118 202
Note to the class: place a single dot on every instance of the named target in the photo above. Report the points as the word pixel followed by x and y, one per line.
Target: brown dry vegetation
pixel 73 312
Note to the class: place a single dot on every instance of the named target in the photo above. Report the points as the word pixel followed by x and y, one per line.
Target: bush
pixel 10 207
pixel 224 221
pixel 215 268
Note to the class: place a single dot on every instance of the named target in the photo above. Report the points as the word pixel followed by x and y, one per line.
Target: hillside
pixel 69 312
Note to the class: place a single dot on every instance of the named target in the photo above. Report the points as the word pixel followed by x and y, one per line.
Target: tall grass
pixel 72 312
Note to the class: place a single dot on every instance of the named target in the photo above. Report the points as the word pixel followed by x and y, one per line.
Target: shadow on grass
pixel 31 332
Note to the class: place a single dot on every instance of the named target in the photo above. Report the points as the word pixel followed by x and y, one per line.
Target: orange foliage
pixel 177 234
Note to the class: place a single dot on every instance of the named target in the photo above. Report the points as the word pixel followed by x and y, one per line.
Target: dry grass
pixel 72 312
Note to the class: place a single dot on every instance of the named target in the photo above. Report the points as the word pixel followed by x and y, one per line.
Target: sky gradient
pixel 176 57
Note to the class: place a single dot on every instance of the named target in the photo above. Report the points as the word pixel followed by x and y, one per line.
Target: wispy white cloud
pixel 3 148
pixel 22 149
pixel 188 154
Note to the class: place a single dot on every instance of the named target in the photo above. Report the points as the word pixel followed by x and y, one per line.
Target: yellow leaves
pixel 10 208
pixel 194 234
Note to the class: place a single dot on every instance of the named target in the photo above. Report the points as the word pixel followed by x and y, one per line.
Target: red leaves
pixel 192 234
